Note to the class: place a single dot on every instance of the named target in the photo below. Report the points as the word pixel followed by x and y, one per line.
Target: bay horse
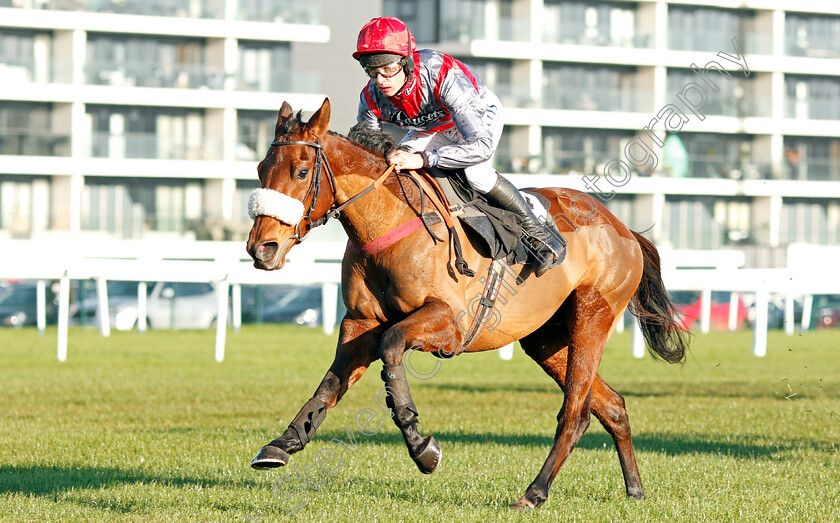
pixel 406 296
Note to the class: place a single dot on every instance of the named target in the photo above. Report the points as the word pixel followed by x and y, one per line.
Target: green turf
pixel 150 428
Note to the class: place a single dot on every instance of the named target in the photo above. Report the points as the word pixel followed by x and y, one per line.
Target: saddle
pixel 494 232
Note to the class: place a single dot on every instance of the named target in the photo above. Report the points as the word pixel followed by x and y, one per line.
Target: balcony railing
pixel 280 12
pixel 812 109
pixel 33 143
pixel 642 38
pixel 816 169
pixel 281 81
pixel 179 8
pixel 625 100
pixel 152 74
pixel 712 166
pixel 812 50
pixel 151 146
pixel 514 95
pixel 578 162
pixel 466 30
pixel 752 43
pixel 720 104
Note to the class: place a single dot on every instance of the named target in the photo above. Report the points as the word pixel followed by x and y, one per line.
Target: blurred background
pixel 143 120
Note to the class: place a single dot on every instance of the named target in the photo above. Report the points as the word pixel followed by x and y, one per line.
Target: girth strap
pixel 433 191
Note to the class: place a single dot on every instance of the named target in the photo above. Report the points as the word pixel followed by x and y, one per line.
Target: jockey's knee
pixel 482 177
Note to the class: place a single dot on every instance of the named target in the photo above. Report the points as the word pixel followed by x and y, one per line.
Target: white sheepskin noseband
pixel 268 202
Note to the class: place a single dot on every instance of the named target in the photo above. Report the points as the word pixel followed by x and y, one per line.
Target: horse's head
pixel 293 176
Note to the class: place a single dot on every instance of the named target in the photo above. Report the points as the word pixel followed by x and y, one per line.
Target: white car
pixel 178 305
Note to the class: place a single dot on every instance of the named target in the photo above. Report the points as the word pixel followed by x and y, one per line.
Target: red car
pixel 688 305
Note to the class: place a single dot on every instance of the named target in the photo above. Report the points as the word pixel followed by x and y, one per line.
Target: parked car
pixel 689 307
pixel 19 304
pixel 86 299
pixel 297 304
pixel 179 305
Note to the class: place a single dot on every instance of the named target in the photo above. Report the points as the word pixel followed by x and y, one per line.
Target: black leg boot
pixel 546 248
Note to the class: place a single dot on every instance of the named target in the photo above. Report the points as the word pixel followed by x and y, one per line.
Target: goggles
pixel 387 71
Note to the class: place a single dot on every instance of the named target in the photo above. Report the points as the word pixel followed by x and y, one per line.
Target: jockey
pixel 453 120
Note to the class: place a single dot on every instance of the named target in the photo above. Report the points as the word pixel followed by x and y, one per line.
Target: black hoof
pixel 270 458
pixel 428 455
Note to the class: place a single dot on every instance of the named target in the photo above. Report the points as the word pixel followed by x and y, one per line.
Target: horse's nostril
pixel 267 251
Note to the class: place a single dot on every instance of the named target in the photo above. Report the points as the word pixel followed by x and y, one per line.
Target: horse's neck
pixel 374 214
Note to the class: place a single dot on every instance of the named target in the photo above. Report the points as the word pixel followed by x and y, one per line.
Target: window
pixel 421 16
pixel 717 155
pixel 816 36
pixel 591 23
pixel 256 131
pixel 812 158
pixel 690 223
pixel 590 88
pixel 279 11
pixel 582 151
pixel 809 221
pixel 149 62
pixel 812 97
pixel 149 132
pixel 708 29
pixel 25 129
pixel 265 67
pixel 17 56
pixel 498 76
pixel 734 97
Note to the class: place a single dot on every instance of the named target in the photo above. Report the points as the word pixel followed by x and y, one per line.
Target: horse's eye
pixel 302 174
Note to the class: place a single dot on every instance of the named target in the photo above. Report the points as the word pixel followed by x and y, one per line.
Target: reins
pixel 315 191
pixel 315 188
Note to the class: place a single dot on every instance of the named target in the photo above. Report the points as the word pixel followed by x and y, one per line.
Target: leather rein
pixel 315 189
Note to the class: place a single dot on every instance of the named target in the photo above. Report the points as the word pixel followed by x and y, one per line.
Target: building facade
pixel 134 119
pixel 711 124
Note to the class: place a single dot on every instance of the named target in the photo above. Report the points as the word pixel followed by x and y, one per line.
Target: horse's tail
pixel 657 315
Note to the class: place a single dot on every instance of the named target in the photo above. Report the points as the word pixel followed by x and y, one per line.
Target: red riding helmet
pixel 385 35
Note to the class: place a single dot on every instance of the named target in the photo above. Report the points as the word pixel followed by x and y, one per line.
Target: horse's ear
pixel 320 121
pixel 285 111
pixel 283 116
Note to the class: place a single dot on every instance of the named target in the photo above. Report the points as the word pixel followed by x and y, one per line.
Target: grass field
pixel 150 428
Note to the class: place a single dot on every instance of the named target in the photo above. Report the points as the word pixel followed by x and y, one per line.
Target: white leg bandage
pixel 268 202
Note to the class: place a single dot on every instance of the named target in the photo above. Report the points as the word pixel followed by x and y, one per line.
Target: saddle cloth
pixel 494 232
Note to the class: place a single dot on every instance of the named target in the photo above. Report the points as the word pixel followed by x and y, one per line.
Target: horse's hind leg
pixel 425 324
pixel 575 369
pixel 608 407
pixel 357 349
pixel 549 350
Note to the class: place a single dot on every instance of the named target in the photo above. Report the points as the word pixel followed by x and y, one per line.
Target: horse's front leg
pixel 433 318
pixel 357 349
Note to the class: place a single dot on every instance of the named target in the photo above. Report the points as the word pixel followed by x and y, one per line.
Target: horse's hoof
pixel 270 457
pixel 531 500
pixel 428 457
pixel 522 505
pixel 636 496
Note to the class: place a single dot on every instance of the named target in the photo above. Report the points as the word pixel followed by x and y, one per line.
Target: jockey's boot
pixel 546 248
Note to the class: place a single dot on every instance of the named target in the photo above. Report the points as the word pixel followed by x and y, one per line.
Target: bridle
pixel 315 189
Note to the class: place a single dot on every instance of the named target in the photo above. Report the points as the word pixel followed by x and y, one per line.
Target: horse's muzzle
pixel 265 254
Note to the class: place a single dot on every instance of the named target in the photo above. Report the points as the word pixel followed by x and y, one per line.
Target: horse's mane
pixel 378 141
pixel 290 124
